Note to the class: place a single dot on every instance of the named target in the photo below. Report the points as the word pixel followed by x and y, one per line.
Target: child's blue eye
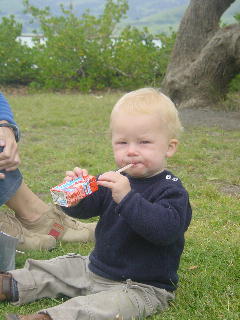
pixel 145 142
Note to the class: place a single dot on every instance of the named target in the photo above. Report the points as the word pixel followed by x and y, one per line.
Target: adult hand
pixel 118 183
pixel 9 157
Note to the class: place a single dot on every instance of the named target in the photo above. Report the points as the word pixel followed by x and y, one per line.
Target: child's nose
pixel 132 149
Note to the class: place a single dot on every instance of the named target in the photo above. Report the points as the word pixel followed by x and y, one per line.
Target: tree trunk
pixel 205 57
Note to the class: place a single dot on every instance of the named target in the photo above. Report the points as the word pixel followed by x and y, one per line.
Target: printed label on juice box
pixel 69 193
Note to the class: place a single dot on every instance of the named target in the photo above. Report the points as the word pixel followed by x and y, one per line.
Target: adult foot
pixel 27 240
pixel 56 223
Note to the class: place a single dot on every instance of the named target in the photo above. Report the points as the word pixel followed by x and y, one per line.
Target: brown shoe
pixel 27 239
pixel 5 286
pixel 36 316
pixel 59 225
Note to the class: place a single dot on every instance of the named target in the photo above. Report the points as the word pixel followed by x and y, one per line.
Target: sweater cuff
pixel 8 119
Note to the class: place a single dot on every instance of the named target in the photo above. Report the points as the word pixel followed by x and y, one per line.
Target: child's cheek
pixel 117 158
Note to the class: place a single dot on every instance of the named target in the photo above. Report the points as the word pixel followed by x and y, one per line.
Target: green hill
pixel 157 15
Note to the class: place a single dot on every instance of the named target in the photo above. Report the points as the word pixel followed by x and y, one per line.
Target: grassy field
pixel 63 131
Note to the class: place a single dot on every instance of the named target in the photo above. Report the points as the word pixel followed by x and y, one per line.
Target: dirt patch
pixel 210 118
pixel 18 90
pixel 232 190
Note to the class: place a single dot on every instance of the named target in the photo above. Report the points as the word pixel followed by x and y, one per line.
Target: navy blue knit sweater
pixel 142 237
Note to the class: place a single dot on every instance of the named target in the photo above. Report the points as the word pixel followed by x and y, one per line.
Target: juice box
pixel 69 193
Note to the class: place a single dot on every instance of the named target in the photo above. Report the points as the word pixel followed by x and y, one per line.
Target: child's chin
pixel 138 173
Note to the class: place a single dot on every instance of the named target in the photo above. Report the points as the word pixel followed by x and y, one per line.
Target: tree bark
pixel 205 56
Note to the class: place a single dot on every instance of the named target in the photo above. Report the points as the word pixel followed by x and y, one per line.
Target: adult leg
pixel 38 217
pixel 26 204
pixel 9 224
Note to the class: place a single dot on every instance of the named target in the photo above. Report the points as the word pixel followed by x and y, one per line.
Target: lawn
pixel 61 131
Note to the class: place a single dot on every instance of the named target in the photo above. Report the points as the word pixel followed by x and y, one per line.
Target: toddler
pixel 143 215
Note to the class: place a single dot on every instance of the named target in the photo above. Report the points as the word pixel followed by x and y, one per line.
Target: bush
pixel 16 64
pixel 234 85
pixel 82 52
pixel 76 49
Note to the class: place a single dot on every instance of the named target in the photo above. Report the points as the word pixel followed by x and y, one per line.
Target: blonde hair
pixel 151 101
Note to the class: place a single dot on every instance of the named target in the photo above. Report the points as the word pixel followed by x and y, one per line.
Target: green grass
pixel 62 131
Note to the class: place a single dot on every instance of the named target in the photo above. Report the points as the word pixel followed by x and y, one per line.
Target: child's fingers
pixel 77 172
pixel 109 179
pixel 68 178
pixel 84 172
pixel 70 174
pixel 109 176
pixel 107 184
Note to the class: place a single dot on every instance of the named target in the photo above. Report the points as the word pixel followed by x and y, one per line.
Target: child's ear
pixel 172 147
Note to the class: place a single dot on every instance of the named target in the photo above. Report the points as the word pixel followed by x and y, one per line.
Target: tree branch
pixel 200 22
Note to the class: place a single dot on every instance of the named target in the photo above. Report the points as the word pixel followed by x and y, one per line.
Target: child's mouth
pixel 135 164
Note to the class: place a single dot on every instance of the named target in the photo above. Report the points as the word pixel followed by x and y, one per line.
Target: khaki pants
pixel 91 297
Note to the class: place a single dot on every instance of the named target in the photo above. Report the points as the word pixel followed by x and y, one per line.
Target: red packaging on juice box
pixel 69 193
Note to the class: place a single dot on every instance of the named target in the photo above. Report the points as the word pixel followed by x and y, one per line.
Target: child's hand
pixel 118 183
pixel 77 172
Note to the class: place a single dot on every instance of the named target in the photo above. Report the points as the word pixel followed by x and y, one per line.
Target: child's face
pixel 140 140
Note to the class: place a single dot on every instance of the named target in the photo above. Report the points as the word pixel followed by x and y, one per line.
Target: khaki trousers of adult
pixel 91 297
